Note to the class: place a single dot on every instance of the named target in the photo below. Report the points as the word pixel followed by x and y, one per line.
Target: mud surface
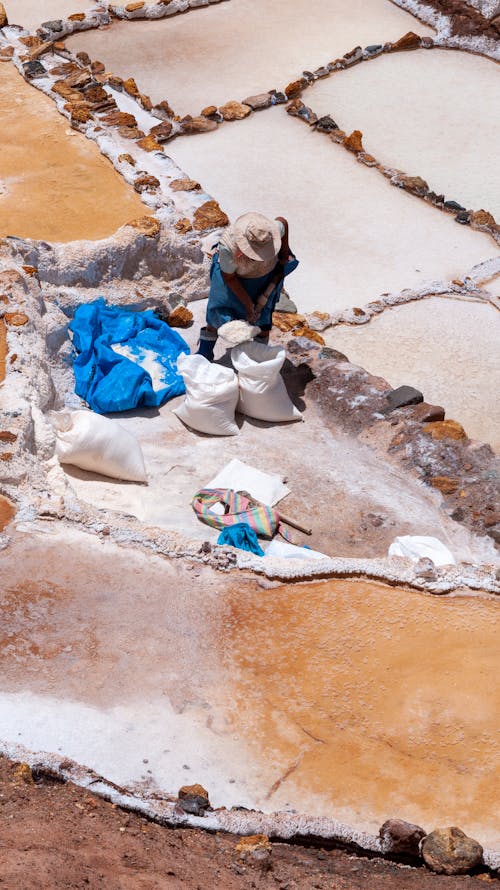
pixel 67 189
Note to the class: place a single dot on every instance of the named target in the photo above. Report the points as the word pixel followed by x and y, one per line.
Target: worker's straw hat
pixel 258 237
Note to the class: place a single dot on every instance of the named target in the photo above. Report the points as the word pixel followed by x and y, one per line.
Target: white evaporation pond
pixel 432 113
pixel 234 49
pixel 356 236
pixel 446 348
pixel 31 13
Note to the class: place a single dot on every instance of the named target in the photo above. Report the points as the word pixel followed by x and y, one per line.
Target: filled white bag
pixel 263 392
pixel 211 396
pixel 417 546
pixel 98 444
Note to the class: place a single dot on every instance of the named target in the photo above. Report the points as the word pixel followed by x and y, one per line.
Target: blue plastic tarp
pixel 111 382
pixel 242 536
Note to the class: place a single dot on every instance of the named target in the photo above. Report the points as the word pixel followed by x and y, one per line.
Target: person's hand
pixel 253 314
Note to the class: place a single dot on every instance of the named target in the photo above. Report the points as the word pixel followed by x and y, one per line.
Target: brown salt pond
pixel 54 183
pixel 347 699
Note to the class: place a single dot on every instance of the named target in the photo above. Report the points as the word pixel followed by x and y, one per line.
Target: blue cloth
pixel 224 306
pixel 242 536
pixel 110 382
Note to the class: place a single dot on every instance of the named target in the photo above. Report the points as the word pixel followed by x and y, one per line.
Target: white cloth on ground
pixel 268 488
pixel 417 546
pixel 283 550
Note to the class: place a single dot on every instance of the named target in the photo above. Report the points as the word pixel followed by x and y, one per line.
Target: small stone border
pixel 433 13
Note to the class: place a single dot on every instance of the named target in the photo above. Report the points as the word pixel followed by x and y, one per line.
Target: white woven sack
pixel 98 444
pixel 263 392
pixel 417 546
pixel 211 396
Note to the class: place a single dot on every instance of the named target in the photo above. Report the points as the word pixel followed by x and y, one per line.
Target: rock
pixel 22 773
pixel 414 184
pixel 181 317
pixel 209 216
pixel 149 143
pixel 6 53
pixel 97 67
pixel 293 89
pixel 79 112
pixel 76 17
pixel 374 49
pixel 453 205
pixel 321 72
pixel 131 88
pixel 234 111
pixel 6 436
pixel 96 94
pixel 127 159
pixel 328 354
pixel 444 484
pixel 54 25
pixel 120 119
pixel 326 124
pixel 463 218
pixel 434 198
pixel 3 16
pixel 115 82
pixel 482 218
pixel 285 304
pixel 308 334
pixel 161 132
pixel 193 799
pixel 35 69
pixel 146 183
pixel 210 111
pixel 354 55
pixel 288 321
pixel 197 125
pixel 426 570
pixel 261 100
pixel 185 185
pixel 130 132
pixel 256 848
pixel 424 413
pixel 133 7
pixel 445 429
pixel 367 159
pixel 353 142
pixel 84 58
pixel 16 319
pixel 448 851
pixel 402 396
pixel 183 225
pixel 398 836
pixel 319 321
pixel 78 79
pixel 146 225
pixel 408 41
pixel 277 97
pixel 297 109
pixel 163 110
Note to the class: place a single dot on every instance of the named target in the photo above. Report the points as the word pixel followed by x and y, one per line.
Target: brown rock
pixel 197 125
pixel 234 111
pixel 161 132
pixel 398 836
pixel 62 89
pixel 183 225
pixel 163 110
pixel 120 119
pixel 482 218
pixel 444 484
pixel 256 847
pixel 414 184
pixel 128 159
pixel 425 413
pixel 130 132
pixel 78 79
pixel 3 16
pixel 309 334
pixel 64 69
pixel 30 270
pixel 293 89
pixel 288 321
pixel 445 429
pixel 181 317
pixel 146 102
pixel 31 42
pixel 358 312
pixel 261 100
pixel 408 41
pixel 6 53
pixel 193 799
pixel 209 111
pixel 80 113
pixel 185 185
pixel 367 159
pixel 131 88
pixel 6 436
pixel 16 319
pixel 146 225
pixel 353 142
pixel 209 216
pixel 76 17
pixel 146 183
pixel 115 82
pixel 22 773
pixel 149 143
pixel 133 7
pixel 6 456
pixel 448 851
pixel 97 94
pixel 97 67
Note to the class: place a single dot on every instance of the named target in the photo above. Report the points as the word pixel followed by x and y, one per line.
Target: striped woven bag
pixel 239 507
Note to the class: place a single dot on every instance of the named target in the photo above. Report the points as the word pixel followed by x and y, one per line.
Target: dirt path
pixel 57 837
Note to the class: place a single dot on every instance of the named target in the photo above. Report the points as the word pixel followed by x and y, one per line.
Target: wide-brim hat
pixel 258 237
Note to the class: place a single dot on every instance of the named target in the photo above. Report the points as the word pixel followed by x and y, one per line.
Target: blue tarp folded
pixel 110 382
pixel 242 536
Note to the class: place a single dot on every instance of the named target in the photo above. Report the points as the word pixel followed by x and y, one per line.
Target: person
pixel 246 276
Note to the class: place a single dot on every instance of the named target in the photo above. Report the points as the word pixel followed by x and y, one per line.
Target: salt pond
pixel 435 114
pixel 134 668
pixel 31 13
pixel 355 235
pixel 54 183
pixel 234 49
pixel 445 347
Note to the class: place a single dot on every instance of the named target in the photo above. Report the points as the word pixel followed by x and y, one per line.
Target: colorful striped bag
pixel 239 507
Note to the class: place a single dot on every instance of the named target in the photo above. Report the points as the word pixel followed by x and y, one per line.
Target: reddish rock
pixel 449 851
pixel 120 119
pixel 185 185
pixel 146 183
pixel 134 7
pixel 255 848
pixel 209 216
pixel 130 132
pixel 481 218
pixel 197 125
pixel 309 334
pixel 78 79
pixel 353 142
pixel 445 429
pixel 6 53
pixel 79 112
pixel 234 111
pixel 97 67
pixel 23 774
pixel 131 88
pixel 146 225
pixel 128 159
pixel 115 82
pixel 293 89
pixel 414 184
pixel 146 102
pixel 183 225
pixel 403 838
pixel 288 321
pixel 16 319
pixel 96 94
pixel 6 436
pixel 163 110
pixel 444 484
pixel 30 270
pixel 261 100
pixel 193 799
pixel 181 317
pixel 62 89
pixel 209 111
pixel 425 413
pixel 161 132
pixel 149 143
pixel 76 17
pixel 6 456
pixel 408 41
pixel 3 16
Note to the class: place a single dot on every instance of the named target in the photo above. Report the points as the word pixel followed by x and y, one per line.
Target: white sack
pixel 284 550
pixel 211 396
pixel 268 488
pixel 98 444
pixel 415 547
pixel 263 392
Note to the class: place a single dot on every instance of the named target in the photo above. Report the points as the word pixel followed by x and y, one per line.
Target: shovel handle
pixel 293 524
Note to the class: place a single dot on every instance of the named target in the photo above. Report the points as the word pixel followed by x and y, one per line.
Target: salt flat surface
pixel 355 235
pixel 31 13
pixel 232 50
pixel 446 348
pixel 434 114
pixel 131 664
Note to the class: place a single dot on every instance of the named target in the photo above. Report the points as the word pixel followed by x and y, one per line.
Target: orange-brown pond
pixel 54 183
pixel 347 699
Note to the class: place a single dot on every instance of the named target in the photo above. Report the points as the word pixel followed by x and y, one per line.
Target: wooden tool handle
pixel 293 524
